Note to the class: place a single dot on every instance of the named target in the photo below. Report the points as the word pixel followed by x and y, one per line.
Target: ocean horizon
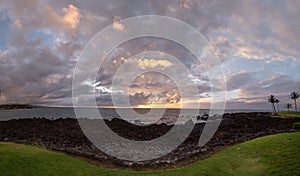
pixel 158 115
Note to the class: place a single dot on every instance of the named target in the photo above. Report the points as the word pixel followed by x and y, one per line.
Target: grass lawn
pixel 271 155
pixel 289 114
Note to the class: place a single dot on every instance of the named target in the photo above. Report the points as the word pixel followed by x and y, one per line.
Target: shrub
pixel 296 126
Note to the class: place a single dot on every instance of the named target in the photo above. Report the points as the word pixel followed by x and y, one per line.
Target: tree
pixel 294 96
pixel 277 101
pixel 288 106
pixel 272 99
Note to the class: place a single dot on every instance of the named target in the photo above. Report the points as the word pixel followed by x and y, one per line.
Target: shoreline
pixel 66 136
pixel 15 106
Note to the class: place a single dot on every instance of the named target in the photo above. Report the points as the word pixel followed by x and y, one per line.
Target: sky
pixel 257 42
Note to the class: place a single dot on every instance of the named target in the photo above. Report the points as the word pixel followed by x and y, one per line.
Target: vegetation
pixel 296 126
pixel 15 106
pixel 295 96
pixel 271 155
pixel 277 101
pixel 272 100
pixel 289 114
pixel 288 106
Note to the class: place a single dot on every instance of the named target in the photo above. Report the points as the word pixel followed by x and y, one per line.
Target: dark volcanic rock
pixel 136 132
pixel 65 135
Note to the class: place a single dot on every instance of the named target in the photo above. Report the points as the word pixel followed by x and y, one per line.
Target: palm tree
pixel 294 96
pixel 288 106
pixel 277 101
pixel 272 99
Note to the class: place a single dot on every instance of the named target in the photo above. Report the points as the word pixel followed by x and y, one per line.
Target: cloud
pixel 185 4
pixel 173 98
pixel 258 40
pixel 152 63
pixel 241 79
pixel 72 16
pixel 33 73
pixel 17 24
pixel 279 85
pixel 139 99
pixel 22 15
pixel 161 87
pixel 68 49
pixel 116 24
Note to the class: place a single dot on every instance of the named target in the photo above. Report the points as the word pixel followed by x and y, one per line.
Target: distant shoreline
pixel 15 106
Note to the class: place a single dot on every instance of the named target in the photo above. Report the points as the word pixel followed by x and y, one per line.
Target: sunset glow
pixel 257 44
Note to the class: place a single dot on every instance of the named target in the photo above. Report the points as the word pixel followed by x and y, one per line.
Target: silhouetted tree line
pixel 273 100
pixel 15 106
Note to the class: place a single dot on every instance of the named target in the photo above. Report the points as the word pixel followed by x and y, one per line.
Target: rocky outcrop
pixel 66 136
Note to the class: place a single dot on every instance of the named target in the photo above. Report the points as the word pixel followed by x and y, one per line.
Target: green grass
pixel 289 114
pixel 271 155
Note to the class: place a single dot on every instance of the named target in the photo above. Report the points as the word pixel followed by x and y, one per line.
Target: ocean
pixel 138 116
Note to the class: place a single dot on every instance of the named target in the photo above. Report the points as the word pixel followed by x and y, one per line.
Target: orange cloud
pixel 152 63
pixel 72 16
pixel 17 24
pixel 185 4
pixel 116 24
